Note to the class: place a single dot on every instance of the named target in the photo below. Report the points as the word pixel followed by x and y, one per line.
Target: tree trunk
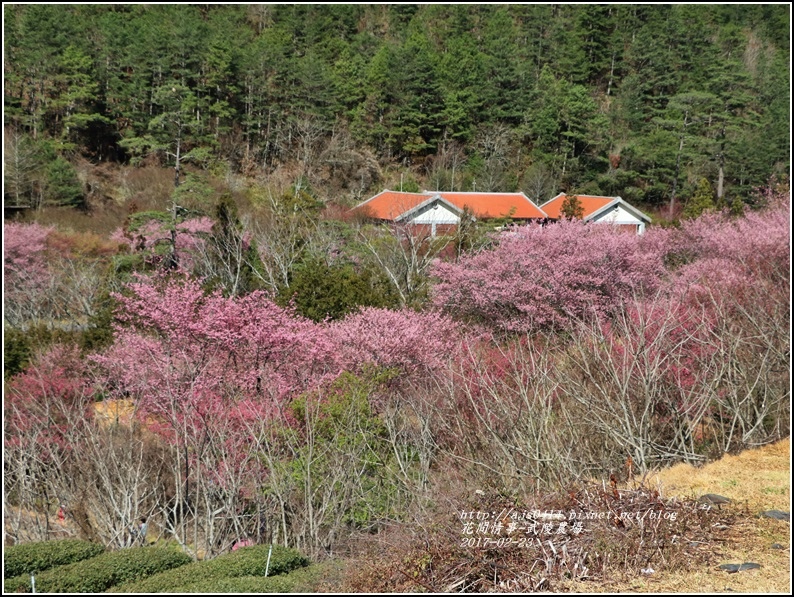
pixel 678 165
pixel 173 259
pixel 721 174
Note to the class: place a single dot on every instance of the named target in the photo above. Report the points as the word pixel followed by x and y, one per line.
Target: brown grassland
pixel 755 480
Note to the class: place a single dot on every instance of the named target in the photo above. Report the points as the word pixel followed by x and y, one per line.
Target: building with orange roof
pixel 444 209
pixel 610 210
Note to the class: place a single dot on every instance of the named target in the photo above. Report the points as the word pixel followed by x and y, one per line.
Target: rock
pixel 749 566
pixel 714 499
pixel 777 546
pixel 732 568
pixel 710 500
pixel 776 514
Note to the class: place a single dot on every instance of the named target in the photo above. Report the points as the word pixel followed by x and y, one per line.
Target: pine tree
pixel 702 201
pixel 571 208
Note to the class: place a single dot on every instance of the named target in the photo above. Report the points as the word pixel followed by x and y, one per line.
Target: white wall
pixel 435 213
pixel 618 215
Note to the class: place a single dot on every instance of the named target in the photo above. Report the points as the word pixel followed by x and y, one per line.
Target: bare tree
pixel 539 183
pixel 446 166
pixel 308 131
pixel 750 343
pixel 280 237
pixel 63 294
pixel 21 166
pixel 121 478
pixel 404 252
pixel 27 495
pixel 330 470
pixel 507 423
pixel 493 145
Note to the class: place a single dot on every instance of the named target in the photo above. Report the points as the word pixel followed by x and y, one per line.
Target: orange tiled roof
pixel 590 204
pixel 495 205
pixel 389 205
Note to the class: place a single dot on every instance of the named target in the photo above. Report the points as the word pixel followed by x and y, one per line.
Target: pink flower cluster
pixel 543 277
pixel 191 236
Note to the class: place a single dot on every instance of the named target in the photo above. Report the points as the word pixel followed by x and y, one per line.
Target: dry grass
pixel 758 479
pixel 755 480
pixel 431 559
pixel 109 412
pixel 621 534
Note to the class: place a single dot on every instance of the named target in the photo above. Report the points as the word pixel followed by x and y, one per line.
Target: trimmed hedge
pixel 302 580
pixel 248 561
pixel 102 572
pixel 18 584
pixel 38 557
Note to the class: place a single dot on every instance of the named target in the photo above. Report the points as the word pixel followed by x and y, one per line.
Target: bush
pixel 322 291
pixel 38 557
pixel 102 572
pixel 297 581
pixel 581 533
pixel 248 561
pixel 18 584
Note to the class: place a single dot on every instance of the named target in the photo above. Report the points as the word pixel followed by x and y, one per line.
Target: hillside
pixel 640 101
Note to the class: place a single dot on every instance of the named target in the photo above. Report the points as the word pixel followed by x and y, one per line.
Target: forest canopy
pixel 641 101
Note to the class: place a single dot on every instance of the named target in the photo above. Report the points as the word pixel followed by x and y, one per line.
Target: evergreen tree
pixel 572 208
pixel 582 84
pixel 418 114
pixel 701 201
pixel 505 90
pixel 62 186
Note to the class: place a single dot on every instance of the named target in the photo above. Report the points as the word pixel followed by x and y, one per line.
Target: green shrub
pixel 301 580
pixel 18 584
pixel 244 584
pixel 319 290
pixel 62 186
pixel 38 557
pixel 102 572
pixel 248 561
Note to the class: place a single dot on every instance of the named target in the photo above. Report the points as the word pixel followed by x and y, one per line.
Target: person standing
pixel 142 528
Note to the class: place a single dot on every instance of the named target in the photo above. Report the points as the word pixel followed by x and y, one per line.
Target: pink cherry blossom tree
pixel 26 275
pixel 199 367
pixel 545 277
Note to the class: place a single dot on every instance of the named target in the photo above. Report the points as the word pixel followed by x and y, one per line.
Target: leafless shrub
pixel 488 542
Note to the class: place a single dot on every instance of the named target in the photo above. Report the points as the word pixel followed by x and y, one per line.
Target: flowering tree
pixel 153 236
pixel 52 278
pixel 410 342
pixel 541 277
pixel 738 271
pixel 46 409
pixel 27 277
pixel 675 345
pixel 752 251
pixel 199 368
